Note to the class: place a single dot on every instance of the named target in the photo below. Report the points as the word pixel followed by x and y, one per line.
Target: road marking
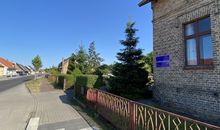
pixel 33 123
pixel 87 128
pixel 61 129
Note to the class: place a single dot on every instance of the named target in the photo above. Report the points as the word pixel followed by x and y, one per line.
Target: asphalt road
pixel 10 83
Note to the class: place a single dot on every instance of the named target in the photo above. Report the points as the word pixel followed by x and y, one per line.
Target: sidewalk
pixel 16 108
pixel 54 113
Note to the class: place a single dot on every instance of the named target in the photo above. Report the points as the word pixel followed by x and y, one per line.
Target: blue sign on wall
pixel 163 61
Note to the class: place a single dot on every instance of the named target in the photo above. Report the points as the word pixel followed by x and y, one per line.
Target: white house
pixel 7 68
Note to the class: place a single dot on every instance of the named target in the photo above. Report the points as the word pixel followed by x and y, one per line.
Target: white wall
pixel 5 71
pixel 11 73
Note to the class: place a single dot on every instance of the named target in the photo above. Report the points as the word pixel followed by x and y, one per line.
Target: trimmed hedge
pixel 83 82
pixel 70 81
pixel 58 81
pixel 52 78
pixel 80 83
pixel 71 78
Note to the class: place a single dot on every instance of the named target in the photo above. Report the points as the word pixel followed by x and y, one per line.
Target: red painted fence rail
pixel 125 114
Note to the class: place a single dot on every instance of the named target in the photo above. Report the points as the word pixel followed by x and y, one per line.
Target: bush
pixel 76 72
pixel 83 82
pixel 58 81
pixel 70 81
pixel 52 78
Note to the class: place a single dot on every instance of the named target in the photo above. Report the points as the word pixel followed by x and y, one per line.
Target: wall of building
pixel 5 71
pixel 195 92
pixel 1 71
pixel 11 73
pixel 65 65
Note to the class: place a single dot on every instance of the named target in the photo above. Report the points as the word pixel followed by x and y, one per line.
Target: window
pixel 198 42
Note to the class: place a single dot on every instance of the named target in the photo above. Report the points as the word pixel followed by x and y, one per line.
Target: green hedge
pixel 70 81
pixel 80 83
pixel 58 81
pixel 52 78
pixel 83 82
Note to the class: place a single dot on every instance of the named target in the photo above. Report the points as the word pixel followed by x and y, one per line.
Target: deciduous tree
pixel 37 63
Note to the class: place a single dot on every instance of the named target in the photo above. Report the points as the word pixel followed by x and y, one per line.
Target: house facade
pixel 187 55
pixel 19 69
pixel 64 66
pixel 24 70
pixel 8 68
pixel 1 70
pixel 31 70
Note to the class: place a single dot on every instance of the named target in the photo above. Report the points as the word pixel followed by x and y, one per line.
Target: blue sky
pixel 55 28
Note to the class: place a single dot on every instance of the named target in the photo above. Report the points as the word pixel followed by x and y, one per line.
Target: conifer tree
pixel 78 61
pixel 129 78
pixel 94 58
pixel 72 64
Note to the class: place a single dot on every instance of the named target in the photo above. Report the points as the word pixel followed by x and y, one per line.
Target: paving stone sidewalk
pixel 46 86
pixel 54 111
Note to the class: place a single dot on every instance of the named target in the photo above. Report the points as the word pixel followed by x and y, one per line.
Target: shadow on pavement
pixel 91 117
pixel 68 97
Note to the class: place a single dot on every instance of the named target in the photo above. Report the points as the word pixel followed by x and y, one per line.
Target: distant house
pixel 8 67
pixel 1 70
pixel 187 55
pixel 19 69
pixel 32 71
pixel 64 66
pixel 24 70
pixel 28 70
pixel 31 68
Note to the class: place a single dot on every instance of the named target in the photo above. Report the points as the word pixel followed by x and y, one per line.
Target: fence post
pixel 57 79
pixel 96 100
pixel 131 112
pixel 64 84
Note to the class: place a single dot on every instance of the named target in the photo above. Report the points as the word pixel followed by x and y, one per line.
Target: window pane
pixel 190 29
pixel 206 51
pixel 191 52
pixel 204 25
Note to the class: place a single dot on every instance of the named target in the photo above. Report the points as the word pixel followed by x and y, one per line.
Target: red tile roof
pixel 7 63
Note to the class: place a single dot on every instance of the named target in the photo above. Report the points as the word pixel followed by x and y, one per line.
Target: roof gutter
pixel 144 2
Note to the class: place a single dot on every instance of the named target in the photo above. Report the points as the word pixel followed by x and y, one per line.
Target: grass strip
pixel 34 86
pixel 92 118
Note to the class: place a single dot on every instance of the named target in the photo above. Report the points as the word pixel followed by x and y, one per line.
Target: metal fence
pixel 125 114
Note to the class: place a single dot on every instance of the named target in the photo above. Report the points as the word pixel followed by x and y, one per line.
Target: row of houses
pixel 10 69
